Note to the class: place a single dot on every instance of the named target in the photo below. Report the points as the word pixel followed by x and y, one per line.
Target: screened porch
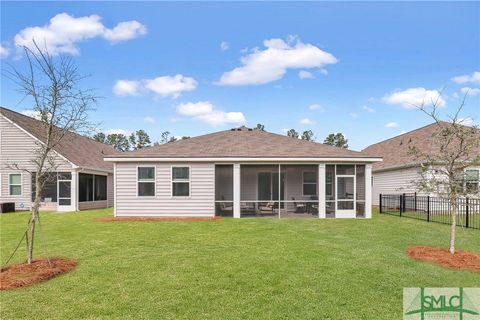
pixel 292 190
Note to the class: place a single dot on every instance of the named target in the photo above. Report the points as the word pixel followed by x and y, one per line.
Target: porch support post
pixel 368 191
pixel 236 190
pixel 321 191
pixel 74 190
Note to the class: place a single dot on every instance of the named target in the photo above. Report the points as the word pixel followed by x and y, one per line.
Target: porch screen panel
pixel 360 180
pixel 49 190
pixel 330 190
pixel 301 190
pixel 224 190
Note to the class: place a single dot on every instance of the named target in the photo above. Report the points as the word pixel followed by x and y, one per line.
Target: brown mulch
pixel 23 274
pixel 112 219
pixel 443 257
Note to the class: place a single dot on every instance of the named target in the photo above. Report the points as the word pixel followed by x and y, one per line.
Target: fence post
pixel 380 202
pixel 401 204
pixel 415 202
pixel 428 208
pixel 466 211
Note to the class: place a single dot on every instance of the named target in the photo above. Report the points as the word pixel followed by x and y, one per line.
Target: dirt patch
pixel 459 260
pixel 112 219
pixel 23 274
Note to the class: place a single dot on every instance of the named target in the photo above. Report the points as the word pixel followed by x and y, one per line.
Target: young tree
pixel 54 88
pixel 292 133
pixel 337 140
pixel 139 140
pixel 100 137
pixel 165 137
pixel 308 135
pixel 118 141
pixel 455 147
pixel 259 127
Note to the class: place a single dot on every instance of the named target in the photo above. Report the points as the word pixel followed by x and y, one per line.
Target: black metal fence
pixel 431 209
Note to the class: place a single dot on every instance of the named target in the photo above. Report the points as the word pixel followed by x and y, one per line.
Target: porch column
pixel 368 191
pixel 321 191
pixel 74 190
pixel 236 190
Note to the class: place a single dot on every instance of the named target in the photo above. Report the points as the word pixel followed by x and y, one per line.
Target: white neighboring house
pixel 82 179
pixel 243 173
pixel 399 170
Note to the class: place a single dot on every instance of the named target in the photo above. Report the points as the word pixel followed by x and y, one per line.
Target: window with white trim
pixel 472 180
pixel 309 183
pixel 146 181
pixel 15 184
pixel 180 181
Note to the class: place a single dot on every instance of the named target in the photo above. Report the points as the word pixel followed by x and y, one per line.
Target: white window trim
pixel 181 180
pixel 304 183
pixel 21 185
pixel 150 181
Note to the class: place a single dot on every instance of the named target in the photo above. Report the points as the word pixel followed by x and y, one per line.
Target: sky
pixel 192 68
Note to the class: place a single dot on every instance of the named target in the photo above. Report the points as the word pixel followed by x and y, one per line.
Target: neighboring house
pixel 243 172
pixel 82 179
pixel 399 171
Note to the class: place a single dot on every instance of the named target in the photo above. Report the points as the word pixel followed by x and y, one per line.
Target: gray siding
pixel 394 181
pixel 199 203
pixel 16 147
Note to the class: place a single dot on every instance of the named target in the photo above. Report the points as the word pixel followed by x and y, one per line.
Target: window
pixel 15 184
pixel 100 188
pixel 146 181
pixel 472 179
pixel 309 183
pixel 49 190
pixel 92 187
pixel 180 181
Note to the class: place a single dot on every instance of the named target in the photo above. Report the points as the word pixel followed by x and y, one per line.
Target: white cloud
pixel 149 119
pixel 470 91
pixel 414 97
pixel 262 66
pixel 224 46
pixel 206 112
pixel 32 114
pixel 323 71
pixel 307 122
pixel 118 131
pixel 302 74
pixel 64 31
pixel 4 52
pixel 392 125
pixel 368 109
pixel 126 88
pixel 402 132
pixel 354 115
pixel 466 121
pixel 316 106
pixel 170 86
pixel 466 78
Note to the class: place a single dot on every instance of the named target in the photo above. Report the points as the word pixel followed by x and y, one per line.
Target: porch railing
pixel 431 209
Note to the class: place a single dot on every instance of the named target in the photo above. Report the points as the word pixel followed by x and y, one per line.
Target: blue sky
pixel 329 67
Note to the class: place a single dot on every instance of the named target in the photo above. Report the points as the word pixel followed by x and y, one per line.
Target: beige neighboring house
pixel 399 170
pixel 82 179
pixel 243 173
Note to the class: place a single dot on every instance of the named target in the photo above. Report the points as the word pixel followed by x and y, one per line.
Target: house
pixel 243 173
pixel 399 171
pixel 82 179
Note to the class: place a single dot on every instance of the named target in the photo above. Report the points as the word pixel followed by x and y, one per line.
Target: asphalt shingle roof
pixel 243 142
pixel 395 151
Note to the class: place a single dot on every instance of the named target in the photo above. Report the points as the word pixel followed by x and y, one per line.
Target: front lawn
pixel 230 269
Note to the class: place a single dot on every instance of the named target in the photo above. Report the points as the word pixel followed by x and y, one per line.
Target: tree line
pixel 140 138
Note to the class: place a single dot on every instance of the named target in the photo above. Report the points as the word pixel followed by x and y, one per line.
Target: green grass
pixel 230 269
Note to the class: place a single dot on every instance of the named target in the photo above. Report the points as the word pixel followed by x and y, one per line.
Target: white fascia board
pixel 247 160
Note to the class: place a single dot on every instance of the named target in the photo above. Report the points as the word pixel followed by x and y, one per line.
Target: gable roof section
pixel 242 143
pixel 395 151
pixel 79 150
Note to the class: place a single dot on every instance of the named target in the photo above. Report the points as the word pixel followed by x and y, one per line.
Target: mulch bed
pixel 112 219
pixel 443 257
pixel 23 274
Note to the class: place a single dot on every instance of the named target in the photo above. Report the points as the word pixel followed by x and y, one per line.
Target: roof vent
pixel 250 129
